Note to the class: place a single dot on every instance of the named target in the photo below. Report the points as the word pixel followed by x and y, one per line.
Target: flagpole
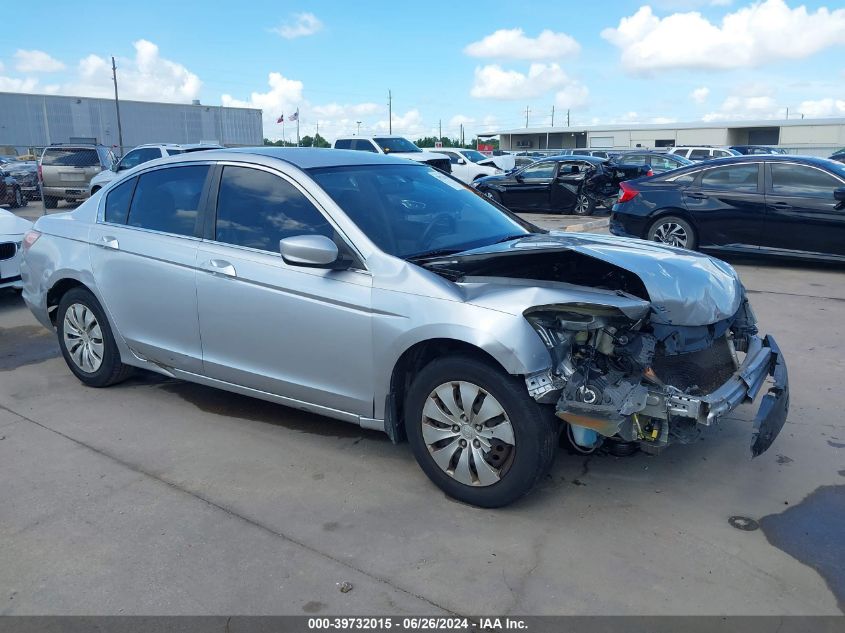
pixel 297 127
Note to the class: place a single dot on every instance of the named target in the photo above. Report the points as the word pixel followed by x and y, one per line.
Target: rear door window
pixel 741 177
pixel 138 156
pixel 168 200
pixel 117 202
pixel 539 171
pixel 256 209
pixel 363 145
pixel 699 154
pixel 71 157
pixel 661 162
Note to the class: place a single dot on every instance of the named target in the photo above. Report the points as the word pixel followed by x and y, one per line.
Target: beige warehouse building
pixel 815 137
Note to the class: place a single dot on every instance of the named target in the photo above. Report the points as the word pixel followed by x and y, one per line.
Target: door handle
pixel 108 241
pixel 697 195
pixel 220 267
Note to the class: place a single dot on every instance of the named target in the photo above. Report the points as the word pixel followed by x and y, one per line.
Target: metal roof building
pixel 33 121
pixel 819 137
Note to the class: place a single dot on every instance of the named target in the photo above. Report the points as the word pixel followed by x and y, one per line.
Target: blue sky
pixel 472 62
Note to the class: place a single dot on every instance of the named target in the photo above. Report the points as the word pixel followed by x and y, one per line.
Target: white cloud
pixel 36 62
pixel 283 97
pixel 409 124
pixel 699 95
pixel 494 82
pixel 761 33
pixel 514 44
pixel 13 84
pixel 146 77
pixel 822 107
pixel 302 25
pixel 738 107
pixel 460 119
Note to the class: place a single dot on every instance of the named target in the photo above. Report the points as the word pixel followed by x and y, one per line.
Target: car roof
pixel 302 157
pixel 580 157
pixel 756 158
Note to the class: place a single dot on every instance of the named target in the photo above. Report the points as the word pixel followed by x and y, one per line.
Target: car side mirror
pixel 839 194
pixel 461 161
pixel 311 251
pixel 519 177
pixel 115 167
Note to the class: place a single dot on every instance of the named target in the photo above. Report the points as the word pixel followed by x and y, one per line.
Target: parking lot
pixel 163 497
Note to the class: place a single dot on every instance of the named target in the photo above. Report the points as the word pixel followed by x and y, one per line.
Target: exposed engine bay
pixel 638 361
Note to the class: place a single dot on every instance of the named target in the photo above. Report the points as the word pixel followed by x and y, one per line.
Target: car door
pixel 728 205
pixel 802 213
pixel 296 332
pixel 529 189
pixel 459 170
pixel 143 256
pixel 567 184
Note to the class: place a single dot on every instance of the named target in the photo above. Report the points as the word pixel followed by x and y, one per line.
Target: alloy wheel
pixel 582 205
pixel 83 338
pixel 672 234
pixel 468 433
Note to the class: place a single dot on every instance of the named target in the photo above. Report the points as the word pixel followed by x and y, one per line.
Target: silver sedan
pixel 387 294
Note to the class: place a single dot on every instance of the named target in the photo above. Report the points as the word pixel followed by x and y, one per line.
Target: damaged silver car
pixel 385 293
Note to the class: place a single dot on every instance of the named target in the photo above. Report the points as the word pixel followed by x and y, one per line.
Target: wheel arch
pixel 58 290
pixel 411 362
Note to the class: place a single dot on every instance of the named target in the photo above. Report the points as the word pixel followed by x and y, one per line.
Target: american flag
pixel 281 119
pixel 295 116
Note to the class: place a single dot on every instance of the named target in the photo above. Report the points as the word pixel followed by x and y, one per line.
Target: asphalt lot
pixel 162 497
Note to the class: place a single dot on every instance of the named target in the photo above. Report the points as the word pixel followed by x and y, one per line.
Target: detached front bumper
pixel 763 359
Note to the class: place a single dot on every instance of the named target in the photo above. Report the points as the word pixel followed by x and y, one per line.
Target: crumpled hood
pixel 10 224
pixel 685 287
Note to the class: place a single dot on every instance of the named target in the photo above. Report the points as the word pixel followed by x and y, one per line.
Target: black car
pixel 748 150
pixel 659 162
pixel 25 172
pixel 560 184
pixel 770 204
pixel 10 190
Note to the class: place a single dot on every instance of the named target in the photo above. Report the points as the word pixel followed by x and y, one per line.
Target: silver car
pixel 385 293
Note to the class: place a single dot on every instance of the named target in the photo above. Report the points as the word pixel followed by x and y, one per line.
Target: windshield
pixel 393 144
pixel 474 156
pixel 414 210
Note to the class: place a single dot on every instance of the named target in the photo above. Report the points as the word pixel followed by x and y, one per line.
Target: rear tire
pixel 50 202
pixel 505 441
pixel 673 231
pixel 584 205
pixel 87 342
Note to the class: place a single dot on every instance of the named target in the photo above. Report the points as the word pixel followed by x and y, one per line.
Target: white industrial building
pixel 815 137
pixel 29 122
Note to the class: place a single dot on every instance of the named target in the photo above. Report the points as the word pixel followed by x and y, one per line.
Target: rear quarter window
pixel 343 143
pixel 117 202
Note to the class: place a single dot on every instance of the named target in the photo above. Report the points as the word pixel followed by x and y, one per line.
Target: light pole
pixel 358 133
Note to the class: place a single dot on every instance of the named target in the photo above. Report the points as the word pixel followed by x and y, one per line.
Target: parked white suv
pixel 703 152
pixel 143 154
pixel 395 146
pixel 467 164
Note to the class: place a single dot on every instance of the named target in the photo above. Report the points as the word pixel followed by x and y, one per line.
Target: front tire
pixel 476 432
pixel 86 340
pixel 18 199
pixel 673 231
pixel 494 196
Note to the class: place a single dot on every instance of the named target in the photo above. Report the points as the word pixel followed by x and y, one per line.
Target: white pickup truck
pixel 395 146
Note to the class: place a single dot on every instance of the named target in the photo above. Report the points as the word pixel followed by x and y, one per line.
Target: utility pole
pixel 317 135
pixel 358 133
pixel 526 115
pixel 567 117
pixel 440 129
pixel 553 116
pixel 390 112
pixel 117 106
pixel 787 113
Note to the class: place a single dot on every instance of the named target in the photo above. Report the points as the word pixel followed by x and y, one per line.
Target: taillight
pixel 626 192
pixel 29 239
pixel 649 172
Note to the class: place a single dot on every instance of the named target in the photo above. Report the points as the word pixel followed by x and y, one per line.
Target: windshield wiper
pixel 510 238
pixel 439 252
